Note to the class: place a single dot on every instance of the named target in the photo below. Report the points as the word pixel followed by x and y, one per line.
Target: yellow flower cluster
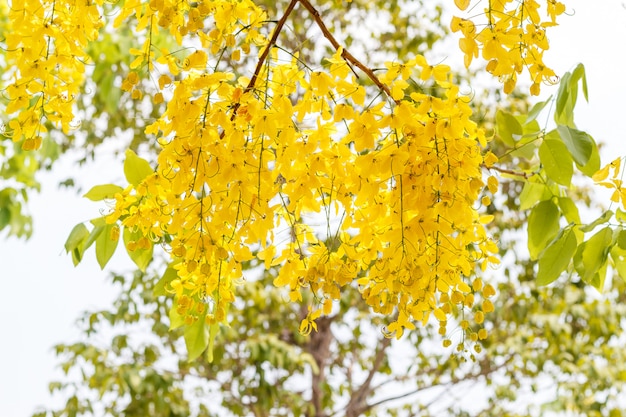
pixel 513 38
pixel 46 42
pixel 324 180
pixel 393 185
pixel 234 27
pixel 615 183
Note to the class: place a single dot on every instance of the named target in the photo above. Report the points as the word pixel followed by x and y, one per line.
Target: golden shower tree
pixel 333 172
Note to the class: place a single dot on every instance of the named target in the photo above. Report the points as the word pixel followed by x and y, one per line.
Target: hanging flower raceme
pixel 326 182
pixel 393 183
pixel 512 38
pixel 46 42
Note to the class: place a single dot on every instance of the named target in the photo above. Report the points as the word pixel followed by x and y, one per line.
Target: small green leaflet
pixel 605 217
pixel 620 238
pixel 101 192
pixel 105 246
pixel 508 128
pixel 196 338
pixel 136 168
pixel 556 257
pixel 591 258
pixel 543 226
pixel 176 320
pixel 556 161
pixel 578 143
pixel 569 210
pixel 568 95
pixel 141 257
pixel 168 276
pixel 212 333
pixel 75 242
pixel 536 110
pixel 618 255
pixel 532 193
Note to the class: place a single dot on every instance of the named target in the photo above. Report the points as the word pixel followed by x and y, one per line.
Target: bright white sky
pixel 45 294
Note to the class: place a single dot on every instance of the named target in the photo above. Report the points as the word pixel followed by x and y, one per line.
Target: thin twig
pixel 484 372
pixel 525 175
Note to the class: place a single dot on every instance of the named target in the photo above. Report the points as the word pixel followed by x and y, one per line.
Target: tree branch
pixel 271 43
pixel 264 54
pixel 525 175
pixel 357 403
pixel 486 370
pixel 319 347
pixel 345 54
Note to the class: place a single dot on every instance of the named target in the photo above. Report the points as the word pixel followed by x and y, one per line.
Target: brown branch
pixel 486 370
pixel 271 43
pixel 345 54
pixel 264 54
pixel 525 175
pixel 357 404
pixel 319 347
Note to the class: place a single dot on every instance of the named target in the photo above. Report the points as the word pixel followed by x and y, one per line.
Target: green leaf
pixel 593 165
pixel 543 226
pixel 620 215
pixel 532 193
pixel 564 111
pixel 140 256
pixel 176 320
pixel 579 74
pixel 212 333
pixel 93 236
pixel 579 144
pixel 618 255
pixel 136 168
pixel 526 148
pixel 569 210
pixel 620 238
pixel 78 234
pixel 508 127
pixel 605 217
pixel 99 221
pixel 568 95
pixel 101 192
pixel 167 277
pixel 556 257
pixel 536 110
pixel 105 246
pixel 196 338
pixel 75 243
pixel 591 256
pixel 531 130
pixel 556 161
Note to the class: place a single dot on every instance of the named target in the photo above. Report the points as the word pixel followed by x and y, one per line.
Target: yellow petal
pixel 462 4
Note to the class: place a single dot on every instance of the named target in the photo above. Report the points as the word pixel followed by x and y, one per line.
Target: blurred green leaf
pixel 133 242
pixel 136 168
pixel 508 127
pixel 101 192
pixel 196 338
